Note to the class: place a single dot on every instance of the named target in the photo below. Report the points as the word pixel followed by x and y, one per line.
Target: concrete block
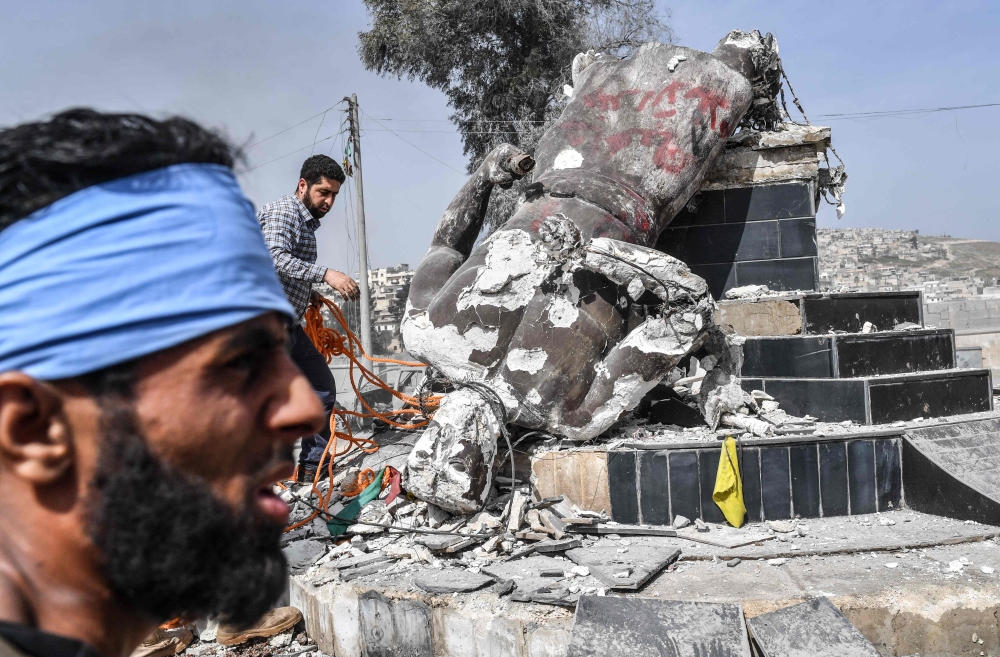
pixel 501 638
pixel 346 639
pixel 548 643
pixel 771 317
pixel 394 627
pixel 457 634
pixel 581 477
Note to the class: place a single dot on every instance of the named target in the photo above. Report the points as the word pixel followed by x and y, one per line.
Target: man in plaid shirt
pixel 289 226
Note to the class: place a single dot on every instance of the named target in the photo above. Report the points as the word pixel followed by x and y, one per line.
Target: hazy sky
pixel 257 67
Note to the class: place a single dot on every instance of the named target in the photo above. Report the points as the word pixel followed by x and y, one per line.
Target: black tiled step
pixel 743 204
pixel 954 470
pixel 849 355
pixel 781 274
pixel 728 243
pixel 849 311
pixel 821 313
pixel 808 479
pixel 878 400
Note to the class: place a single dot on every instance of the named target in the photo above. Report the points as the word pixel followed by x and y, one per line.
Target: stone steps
pixel 849 355
pixel 883 399
pixel 819 313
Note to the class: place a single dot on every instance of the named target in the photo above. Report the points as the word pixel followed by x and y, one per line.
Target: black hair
pixel 44 161
pixel 318 167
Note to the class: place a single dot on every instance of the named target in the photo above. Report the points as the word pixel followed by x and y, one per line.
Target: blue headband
pixel 130 267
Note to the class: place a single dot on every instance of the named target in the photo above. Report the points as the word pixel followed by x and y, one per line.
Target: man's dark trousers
pixel 314 366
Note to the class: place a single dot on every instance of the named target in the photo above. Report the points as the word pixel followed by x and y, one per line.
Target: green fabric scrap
pixel 339 523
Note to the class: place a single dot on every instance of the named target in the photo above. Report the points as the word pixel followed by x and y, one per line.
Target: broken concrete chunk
pixel 452 581
pixel 552 524
pixel 534 521
pixel 548 547
pixel 700 525
pixel 517 512
pixel 446 543
pixel 302 554
pixel 436 516
pixel 681 521
pixel 781 526
pixel 398 552
pixel 547 502
pixel 483 521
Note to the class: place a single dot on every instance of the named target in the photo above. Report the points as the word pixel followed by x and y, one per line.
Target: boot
pixel 273 622
pixel 163 643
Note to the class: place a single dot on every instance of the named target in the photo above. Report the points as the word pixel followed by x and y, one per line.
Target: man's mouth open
pixel 268 501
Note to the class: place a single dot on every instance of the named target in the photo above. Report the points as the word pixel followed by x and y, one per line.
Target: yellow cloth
pixel 728 494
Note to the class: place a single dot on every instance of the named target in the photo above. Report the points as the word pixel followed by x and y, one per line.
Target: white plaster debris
pixel 658 265
pixel 526 360
pixel 581 63
pixel 562 312
pixel 747 292
pixel 674 61
pixel 567 91
pixel 568 159
pixel 510 275
pixel 534 397
pixel 445 346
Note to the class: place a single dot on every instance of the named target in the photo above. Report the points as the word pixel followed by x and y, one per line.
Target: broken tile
pixel 626 627
pixel 814 628
pixel 641 561
pixel 452 581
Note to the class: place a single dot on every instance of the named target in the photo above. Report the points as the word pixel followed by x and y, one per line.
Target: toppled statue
pixel 566 312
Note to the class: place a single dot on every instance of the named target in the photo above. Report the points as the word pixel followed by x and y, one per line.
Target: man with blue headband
pixel 147 400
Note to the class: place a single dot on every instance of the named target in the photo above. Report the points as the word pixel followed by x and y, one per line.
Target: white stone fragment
pixel 526 360
pixel 568 159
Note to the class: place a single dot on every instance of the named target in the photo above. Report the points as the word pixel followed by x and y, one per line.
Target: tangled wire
pixel 332 343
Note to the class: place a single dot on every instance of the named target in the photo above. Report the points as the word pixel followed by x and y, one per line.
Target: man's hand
pixel 342 283
pixel 315 298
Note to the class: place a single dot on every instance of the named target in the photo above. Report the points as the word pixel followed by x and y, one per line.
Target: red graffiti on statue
pixel 708 101
pixel 668 156
pixel 670 91
pixel 605 102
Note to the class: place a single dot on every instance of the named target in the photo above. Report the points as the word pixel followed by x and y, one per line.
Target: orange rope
pixel 331 343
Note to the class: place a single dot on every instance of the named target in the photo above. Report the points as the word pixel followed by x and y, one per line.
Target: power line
pixel 414 145
pixel 312 145
pixel 843 115
pixel 452 132
pixel 323 113
pixel 905 111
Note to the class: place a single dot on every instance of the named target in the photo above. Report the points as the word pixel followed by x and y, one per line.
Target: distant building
pixel 389 287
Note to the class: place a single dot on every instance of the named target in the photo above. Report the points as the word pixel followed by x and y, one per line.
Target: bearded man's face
pixel 180 502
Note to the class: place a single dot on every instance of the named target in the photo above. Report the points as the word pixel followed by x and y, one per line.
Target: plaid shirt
pixel 290 233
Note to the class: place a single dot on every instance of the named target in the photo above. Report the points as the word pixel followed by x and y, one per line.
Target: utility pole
pixel 366 323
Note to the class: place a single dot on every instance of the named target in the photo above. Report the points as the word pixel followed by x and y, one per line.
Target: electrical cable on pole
pixel 365 302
